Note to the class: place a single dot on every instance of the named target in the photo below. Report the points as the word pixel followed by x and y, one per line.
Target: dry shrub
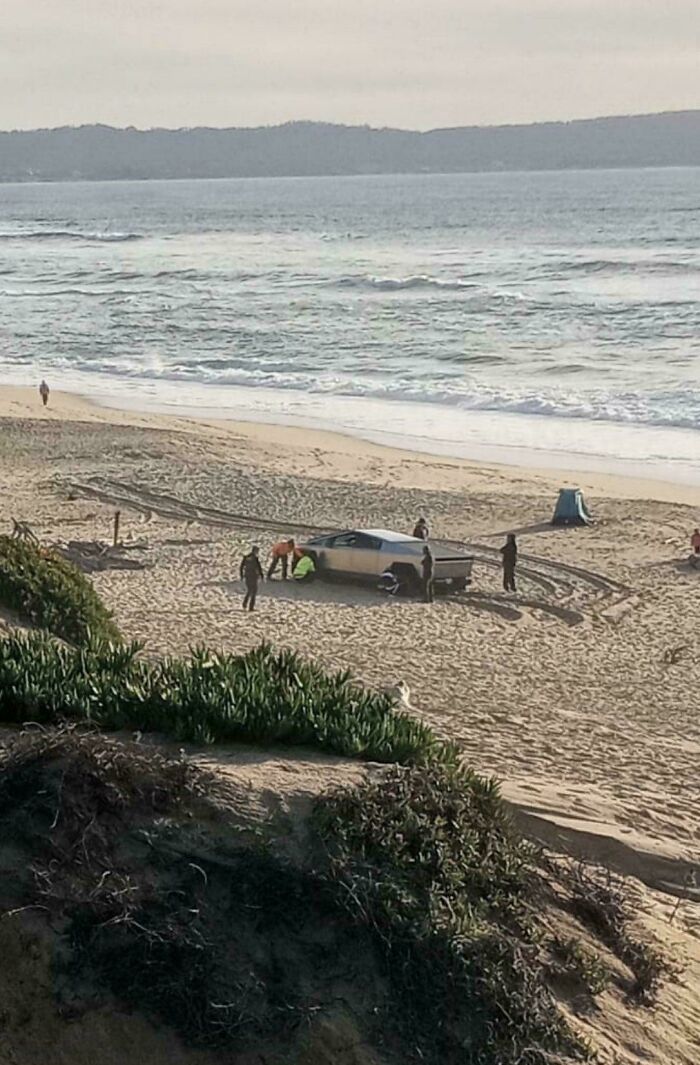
pixel 600 901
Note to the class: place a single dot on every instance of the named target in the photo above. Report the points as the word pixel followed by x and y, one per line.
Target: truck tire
pixel 407 576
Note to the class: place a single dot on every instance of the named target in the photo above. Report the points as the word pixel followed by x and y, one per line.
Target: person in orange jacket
pixel 282 553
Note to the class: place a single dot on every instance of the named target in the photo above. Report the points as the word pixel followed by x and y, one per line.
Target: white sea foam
pixel 398 284
pixel 68 235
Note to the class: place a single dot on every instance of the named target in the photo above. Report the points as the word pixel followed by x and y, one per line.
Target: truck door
pixel 357 554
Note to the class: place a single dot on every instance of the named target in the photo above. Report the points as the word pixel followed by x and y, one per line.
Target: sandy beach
pixel 579 692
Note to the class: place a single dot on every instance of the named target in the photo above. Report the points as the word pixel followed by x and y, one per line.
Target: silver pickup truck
pixel 365 554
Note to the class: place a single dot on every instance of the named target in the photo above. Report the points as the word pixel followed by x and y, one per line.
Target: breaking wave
pixel 398 284
pixel 646 267
pixel 679 409
pixel 73 235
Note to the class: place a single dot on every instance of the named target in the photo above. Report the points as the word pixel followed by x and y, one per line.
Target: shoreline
pixel 18 401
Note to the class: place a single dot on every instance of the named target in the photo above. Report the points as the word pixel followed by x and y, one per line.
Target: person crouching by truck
pixel 282 553
pixel 305 570
pixel 251 573
pixel 509 551
pixel 428 570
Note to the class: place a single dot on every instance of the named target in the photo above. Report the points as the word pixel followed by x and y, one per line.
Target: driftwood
pixel 94 557
pixel 21 530
pixel 672 655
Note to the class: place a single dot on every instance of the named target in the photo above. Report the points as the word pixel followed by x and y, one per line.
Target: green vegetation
pixel 414 912
pixel 414 889
pixel 410 912
pixel 582 965
pixel 53 594
pixel 261 697
pixel 427 862
pixel 78 803
pixel 165 904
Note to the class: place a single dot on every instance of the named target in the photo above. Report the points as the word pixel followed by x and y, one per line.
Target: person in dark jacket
pixel 252 574
pixel 421 530
pixel 428 567
pixel 509 551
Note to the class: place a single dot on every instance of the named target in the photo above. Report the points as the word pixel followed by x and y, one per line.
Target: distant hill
pixel 299 148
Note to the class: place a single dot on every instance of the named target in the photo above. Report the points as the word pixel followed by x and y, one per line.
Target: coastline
pixel 347 447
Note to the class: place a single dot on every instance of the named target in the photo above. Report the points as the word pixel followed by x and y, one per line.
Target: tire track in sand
pixel 574 587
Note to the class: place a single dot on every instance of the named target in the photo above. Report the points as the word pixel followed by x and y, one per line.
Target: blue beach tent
pixel 571 508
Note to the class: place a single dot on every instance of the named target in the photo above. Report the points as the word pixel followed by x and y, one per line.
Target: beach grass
pixel 48 591
pixel 265 696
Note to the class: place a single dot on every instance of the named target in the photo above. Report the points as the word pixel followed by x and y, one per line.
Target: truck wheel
pixel 459 585
pixel 407 578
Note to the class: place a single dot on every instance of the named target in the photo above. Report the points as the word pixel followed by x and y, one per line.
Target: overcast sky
pixel 409 63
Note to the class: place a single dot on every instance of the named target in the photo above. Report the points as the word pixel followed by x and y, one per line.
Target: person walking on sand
pixel 281 553
pixel 428 568
pixel 421 530
pixel 251 572
pixel 509 551
pixel 44 393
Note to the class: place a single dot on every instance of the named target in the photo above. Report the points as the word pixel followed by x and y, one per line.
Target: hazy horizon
pixel 222 63
pixel 357 125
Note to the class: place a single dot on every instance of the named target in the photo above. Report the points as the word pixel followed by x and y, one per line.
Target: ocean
pixel 551 319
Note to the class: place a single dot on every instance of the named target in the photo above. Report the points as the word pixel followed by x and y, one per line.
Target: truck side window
pixel 346 540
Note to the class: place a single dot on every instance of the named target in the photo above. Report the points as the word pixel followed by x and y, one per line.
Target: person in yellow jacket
pixel 305 569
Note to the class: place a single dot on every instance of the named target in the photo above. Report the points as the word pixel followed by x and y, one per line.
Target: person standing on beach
pixel 695 549
pixel 509 551
pixel 44 393
pixel 421 530
pixel 281 553
pixel 251 572
pixel 428 568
